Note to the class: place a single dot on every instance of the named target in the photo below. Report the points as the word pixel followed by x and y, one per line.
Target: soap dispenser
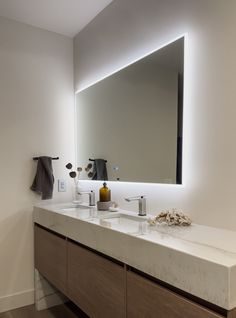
pixel 104 193
pixel 104 202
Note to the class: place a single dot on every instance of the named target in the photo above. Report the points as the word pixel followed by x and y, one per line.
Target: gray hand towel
pixel 99 170
pixel 44 179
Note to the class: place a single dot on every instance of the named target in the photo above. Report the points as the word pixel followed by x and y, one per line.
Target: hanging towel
pixel 99 170
pixel 44 179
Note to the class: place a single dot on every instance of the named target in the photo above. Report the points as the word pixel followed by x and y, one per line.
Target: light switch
pixel 61 185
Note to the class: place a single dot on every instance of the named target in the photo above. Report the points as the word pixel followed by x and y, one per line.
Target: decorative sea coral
pixel 171 217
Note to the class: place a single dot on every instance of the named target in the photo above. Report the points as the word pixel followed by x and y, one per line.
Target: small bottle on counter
pixel 104 193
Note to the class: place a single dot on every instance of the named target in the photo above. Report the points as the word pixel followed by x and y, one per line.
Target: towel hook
pixel 94 160
pixel 37 158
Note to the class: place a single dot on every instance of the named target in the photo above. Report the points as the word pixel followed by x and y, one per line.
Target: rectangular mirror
pixel 133 120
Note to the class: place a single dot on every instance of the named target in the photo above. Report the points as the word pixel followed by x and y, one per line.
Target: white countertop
pixel 198 259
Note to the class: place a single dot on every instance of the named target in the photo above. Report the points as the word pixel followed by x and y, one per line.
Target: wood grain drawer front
pixel 146 299
pixel 51 257
pixel 95 284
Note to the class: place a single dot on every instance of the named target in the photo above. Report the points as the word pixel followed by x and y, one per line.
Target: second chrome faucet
pixel 141 203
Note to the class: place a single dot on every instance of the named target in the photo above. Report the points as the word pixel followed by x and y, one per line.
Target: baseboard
pixel 16 300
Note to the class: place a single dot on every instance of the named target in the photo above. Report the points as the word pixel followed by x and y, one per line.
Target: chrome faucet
pixel 141 204
pixel 91 196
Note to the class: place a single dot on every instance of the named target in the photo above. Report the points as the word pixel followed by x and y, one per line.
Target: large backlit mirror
pixel 133 121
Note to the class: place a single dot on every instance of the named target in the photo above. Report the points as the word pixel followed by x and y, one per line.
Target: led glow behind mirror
pixel 134 119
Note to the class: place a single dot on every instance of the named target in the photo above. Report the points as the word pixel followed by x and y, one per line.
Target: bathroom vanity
pixel 115 265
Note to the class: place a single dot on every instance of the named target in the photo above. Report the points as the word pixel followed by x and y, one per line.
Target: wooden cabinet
pixel 51 257
pixel 103 288
pixel 95 284
pixel 231 314
pixel 146 299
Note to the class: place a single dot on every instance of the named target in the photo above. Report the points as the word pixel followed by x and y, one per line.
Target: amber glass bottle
pixel 104 193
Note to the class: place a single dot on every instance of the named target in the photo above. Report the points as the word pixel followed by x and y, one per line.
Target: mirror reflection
pixel 129 125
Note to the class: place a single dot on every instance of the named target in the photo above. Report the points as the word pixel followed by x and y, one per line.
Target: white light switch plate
pixel 61 185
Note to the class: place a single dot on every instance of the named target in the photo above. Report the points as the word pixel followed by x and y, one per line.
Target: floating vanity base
pixel 104 287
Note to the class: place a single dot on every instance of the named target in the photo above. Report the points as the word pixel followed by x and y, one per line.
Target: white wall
pixel 36 118
pixel 127 29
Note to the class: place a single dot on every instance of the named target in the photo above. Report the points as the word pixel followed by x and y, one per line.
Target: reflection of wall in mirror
pixel 130 119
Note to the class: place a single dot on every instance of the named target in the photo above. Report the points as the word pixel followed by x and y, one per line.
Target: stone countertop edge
pixel 206 279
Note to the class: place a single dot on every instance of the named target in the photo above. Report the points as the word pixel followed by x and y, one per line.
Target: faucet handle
pixel 135 198
pixel 85 192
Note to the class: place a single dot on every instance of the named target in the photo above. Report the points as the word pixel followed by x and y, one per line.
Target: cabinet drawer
pixel 95 284
pixel 147 299
pixel 50 257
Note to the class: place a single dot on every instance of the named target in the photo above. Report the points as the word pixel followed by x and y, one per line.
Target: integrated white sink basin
pixel 125 217
pixel 82 212
pixel 126 223
pixel 76 207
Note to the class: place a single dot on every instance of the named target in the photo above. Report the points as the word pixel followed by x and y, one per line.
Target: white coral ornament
pixel 171 217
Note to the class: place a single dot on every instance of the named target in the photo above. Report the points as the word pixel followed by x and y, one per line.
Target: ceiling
pixel 67 17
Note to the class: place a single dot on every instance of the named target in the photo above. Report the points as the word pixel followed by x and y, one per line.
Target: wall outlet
pixel 61 185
